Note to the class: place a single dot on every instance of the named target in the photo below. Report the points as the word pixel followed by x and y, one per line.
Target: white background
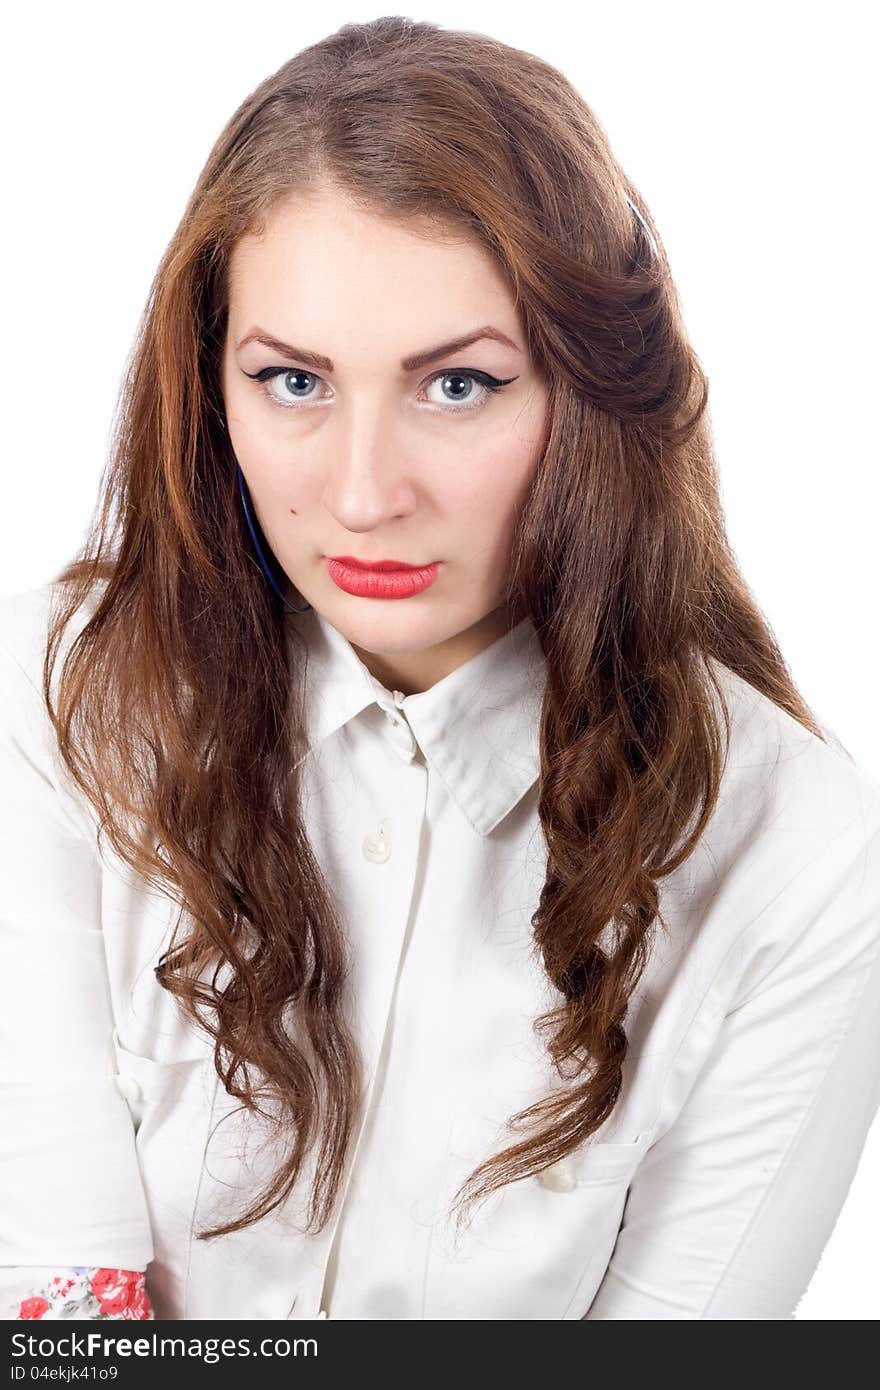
pixel 751 134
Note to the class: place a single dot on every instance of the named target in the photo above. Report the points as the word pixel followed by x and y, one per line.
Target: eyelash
pixel 492 384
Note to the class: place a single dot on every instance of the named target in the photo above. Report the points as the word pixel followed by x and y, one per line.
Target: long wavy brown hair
pixel 178 713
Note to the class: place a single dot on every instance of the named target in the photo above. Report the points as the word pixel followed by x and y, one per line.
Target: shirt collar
pixel 478 727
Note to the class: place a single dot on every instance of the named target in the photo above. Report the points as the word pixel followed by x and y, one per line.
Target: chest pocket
pixel 170 1106
pixel 538 1248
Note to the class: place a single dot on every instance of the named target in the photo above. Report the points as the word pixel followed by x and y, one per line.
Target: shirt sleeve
pixel 732 1206
pixel 70 1188
pixel 78 1292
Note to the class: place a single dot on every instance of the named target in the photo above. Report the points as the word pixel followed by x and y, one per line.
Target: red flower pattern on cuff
pixel 91 1291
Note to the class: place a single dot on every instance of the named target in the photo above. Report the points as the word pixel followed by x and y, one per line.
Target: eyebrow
pixel 409 364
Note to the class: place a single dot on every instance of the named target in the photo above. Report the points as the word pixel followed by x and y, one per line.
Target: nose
pixel 368 478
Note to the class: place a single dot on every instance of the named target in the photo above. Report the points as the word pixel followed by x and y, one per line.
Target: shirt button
pixel 127 1086
pixel 323 1313
pixel 559 1177
pixel 377 848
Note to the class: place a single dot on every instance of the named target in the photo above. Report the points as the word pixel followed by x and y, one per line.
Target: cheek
pixel 252 436
pixel 491 481
pixel 244 434
pixel 266 466
pixel 488 493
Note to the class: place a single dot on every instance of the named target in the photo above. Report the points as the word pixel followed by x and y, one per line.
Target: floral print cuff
pixel 88 1291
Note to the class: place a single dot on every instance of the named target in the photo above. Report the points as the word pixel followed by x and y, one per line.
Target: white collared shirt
pixel 751 1080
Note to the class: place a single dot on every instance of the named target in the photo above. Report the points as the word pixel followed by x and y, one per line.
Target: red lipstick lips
pixel 380 578
pixel 380 566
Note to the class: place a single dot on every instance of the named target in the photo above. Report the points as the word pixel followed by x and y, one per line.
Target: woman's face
pixel 348 450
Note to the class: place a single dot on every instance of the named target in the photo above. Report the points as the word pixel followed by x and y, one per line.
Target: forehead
pixel 323 256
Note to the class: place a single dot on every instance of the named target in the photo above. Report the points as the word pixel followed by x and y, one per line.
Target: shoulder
pixel 23 624
pixel 784 877
pixel 25 617
pixel 782 780
pixel 28 744
pixel 788 866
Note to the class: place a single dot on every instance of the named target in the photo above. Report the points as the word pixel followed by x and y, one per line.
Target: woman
pixel 496 937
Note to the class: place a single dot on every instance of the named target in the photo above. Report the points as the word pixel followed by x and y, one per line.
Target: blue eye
pixel 488 386
pixel 296 379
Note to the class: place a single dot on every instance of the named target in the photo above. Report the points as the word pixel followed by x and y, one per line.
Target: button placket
pixel 128 1086
pixel 379 953
pixel 398 698
pixel 403 740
